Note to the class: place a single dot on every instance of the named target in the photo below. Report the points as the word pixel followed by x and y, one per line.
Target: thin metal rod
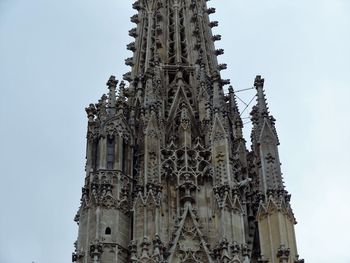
pixel 248 105
pixel 241 100
pixel 240 90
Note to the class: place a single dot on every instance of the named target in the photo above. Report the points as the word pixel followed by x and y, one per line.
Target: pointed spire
pixel 233 101
pixel 217 92
pixel 152 126
pixel 260 113
pixel 187 25
pixel 262 104
pixel 112 86
pixel 234 111
pixel 218 131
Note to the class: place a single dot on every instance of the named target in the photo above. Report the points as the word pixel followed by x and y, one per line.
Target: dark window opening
pixel 110 153
pixel 124 156
pixel 108 231
pixel 95 156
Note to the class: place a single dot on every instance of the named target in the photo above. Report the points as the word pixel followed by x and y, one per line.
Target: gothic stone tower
pixel 168 174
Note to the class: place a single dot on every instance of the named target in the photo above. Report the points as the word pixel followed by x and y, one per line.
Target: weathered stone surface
pixel 168 174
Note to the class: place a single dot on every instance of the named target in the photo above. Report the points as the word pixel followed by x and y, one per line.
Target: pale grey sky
pixel 55 58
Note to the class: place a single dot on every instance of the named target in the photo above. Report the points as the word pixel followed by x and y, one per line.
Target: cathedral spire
pixel 178 30
pixel 274 203
pixel 168 176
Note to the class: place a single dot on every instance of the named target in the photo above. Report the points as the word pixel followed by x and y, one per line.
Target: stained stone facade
pixel 168 174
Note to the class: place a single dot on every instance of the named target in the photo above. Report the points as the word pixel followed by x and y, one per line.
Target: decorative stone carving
pixel 167 170
pixel 283 254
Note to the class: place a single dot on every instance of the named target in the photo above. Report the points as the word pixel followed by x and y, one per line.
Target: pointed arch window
pixel 124 161
pixel 110 152
pixel 95 155
pixel 108 231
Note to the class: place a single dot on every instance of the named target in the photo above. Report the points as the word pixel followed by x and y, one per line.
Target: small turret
pixel 277 239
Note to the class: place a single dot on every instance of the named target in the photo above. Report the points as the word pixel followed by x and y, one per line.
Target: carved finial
pixel 101 107
pixel 262 105
pixel 259 82
pixel 112 85
pixel 230 89
pixel 122 90
pixel 91 112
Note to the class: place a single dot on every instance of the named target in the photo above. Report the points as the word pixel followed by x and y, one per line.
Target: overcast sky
pixel 56 56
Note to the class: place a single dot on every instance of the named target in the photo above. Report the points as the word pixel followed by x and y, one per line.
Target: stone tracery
pixel 167 166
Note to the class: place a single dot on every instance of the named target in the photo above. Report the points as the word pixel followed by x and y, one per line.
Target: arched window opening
pixel 95 156
pixel 110 152
pixel 124 156
pixel 108 231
